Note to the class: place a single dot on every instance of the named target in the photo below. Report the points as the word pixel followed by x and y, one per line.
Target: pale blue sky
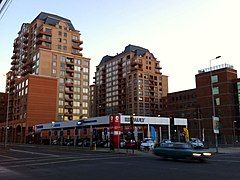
pixel 183 34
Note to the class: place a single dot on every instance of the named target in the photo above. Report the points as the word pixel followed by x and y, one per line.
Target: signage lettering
pixel 135 120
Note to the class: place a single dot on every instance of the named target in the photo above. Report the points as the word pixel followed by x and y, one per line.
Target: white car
pixel 196 143
pixel 147 144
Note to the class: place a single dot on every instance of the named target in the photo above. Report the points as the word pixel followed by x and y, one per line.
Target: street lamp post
pixel 6 125
pixel 234 132
pixel 213 104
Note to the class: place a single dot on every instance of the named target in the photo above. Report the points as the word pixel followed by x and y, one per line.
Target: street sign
pixel 215 125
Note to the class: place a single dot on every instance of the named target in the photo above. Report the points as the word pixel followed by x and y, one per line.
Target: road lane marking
pixel 26 160
pixel 30 152
pixel 65 161
pixel 9 157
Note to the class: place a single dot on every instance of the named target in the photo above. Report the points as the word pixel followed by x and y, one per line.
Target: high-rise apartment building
pixel 49 48
pixel 129 83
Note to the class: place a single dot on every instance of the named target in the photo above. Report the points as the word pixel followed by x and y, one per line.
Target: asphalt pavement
pixel 55 162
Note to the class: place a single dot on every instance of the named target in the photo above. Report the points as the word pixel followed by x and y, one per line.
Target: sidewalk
pixel 226 149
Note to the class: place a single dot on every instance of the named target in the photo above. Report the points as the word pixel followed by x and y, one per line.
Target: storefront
pixel 100 128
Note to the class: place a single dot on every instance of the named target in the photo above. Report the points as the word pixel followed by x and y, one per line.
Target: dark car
pixel 68 142
pixel 131 144
pixel 181 151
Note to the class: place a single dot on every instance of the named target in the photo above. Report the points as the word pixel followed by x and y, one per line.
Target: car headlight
pixel 196 154
pixel 207 154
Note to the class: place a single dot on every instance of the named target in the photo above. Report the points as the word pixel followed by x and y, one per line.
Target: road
pixel 43 162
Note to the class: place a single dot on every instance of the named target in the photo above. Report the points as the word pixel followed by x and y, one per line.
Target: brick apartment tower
pixel 130 82
pixel 225 95
pixel 54 82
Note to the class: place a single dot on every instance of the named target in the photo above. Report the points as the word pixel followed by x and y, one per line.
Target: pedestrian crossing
pixel 31 159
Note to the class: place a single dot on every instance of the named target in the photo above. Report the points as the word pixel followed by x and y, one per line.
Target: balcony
pixel 68 106
pixel 76 53
pixel 68 91
pixel 13 68
pixel 15 44
pixel 68 99
pixel 69 84
pixel 77 41
pixel 41 32
pixel 44 47
pixel 158 67
pixel 68 113
pixel 70 75
pixel 15 50
pixel 14 62
pixel 137 68
pixel 25 40
pixel 157 71
pixel 77 47
pixel 24 59
pixel 15 56
pixel 25 34
pixel 69 69
pixel 27 64
pixel 40 40
pixel 70 62
pixel 25 46
pixel 134 63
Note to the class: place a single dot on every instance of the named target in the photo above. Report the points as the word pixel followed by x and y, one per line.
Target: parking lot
pixel 45 162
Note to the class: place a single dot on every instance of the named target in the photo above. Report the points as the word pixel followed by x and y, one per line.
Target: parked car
pixel 68 142
pixel 181 151
pixel 131 144
pixel 147 144
pixel 196 143
pixel 122 143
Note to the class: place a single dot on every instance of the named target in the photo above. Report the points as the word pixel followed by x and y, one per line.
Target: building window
pixel 85 104
pixel 77 75
pixel 60 95
pixel 60 103
pixel 214 79
pixel 77 61
pixel 54 57
pixel 85 70
pixel 54 63
pixel 61 80
pixel 64 41
pixel 60 110
pixel 59 33
pixel 65 48
pixel 217 101
pixel 63 59
pixel 85 90
pixel 85 63
pixel 59 47
pixel 59 40
pixel 215 90
pixel 77 68
pixel 84 111
pixel 76 104
pixel 65 34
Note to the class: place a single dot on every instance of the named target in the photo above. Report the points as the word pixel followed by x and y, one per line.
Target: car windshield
pixel 147 141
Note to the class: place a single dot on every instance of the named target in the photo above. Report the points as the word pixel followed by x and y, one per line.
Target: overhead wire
pixel 4 8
